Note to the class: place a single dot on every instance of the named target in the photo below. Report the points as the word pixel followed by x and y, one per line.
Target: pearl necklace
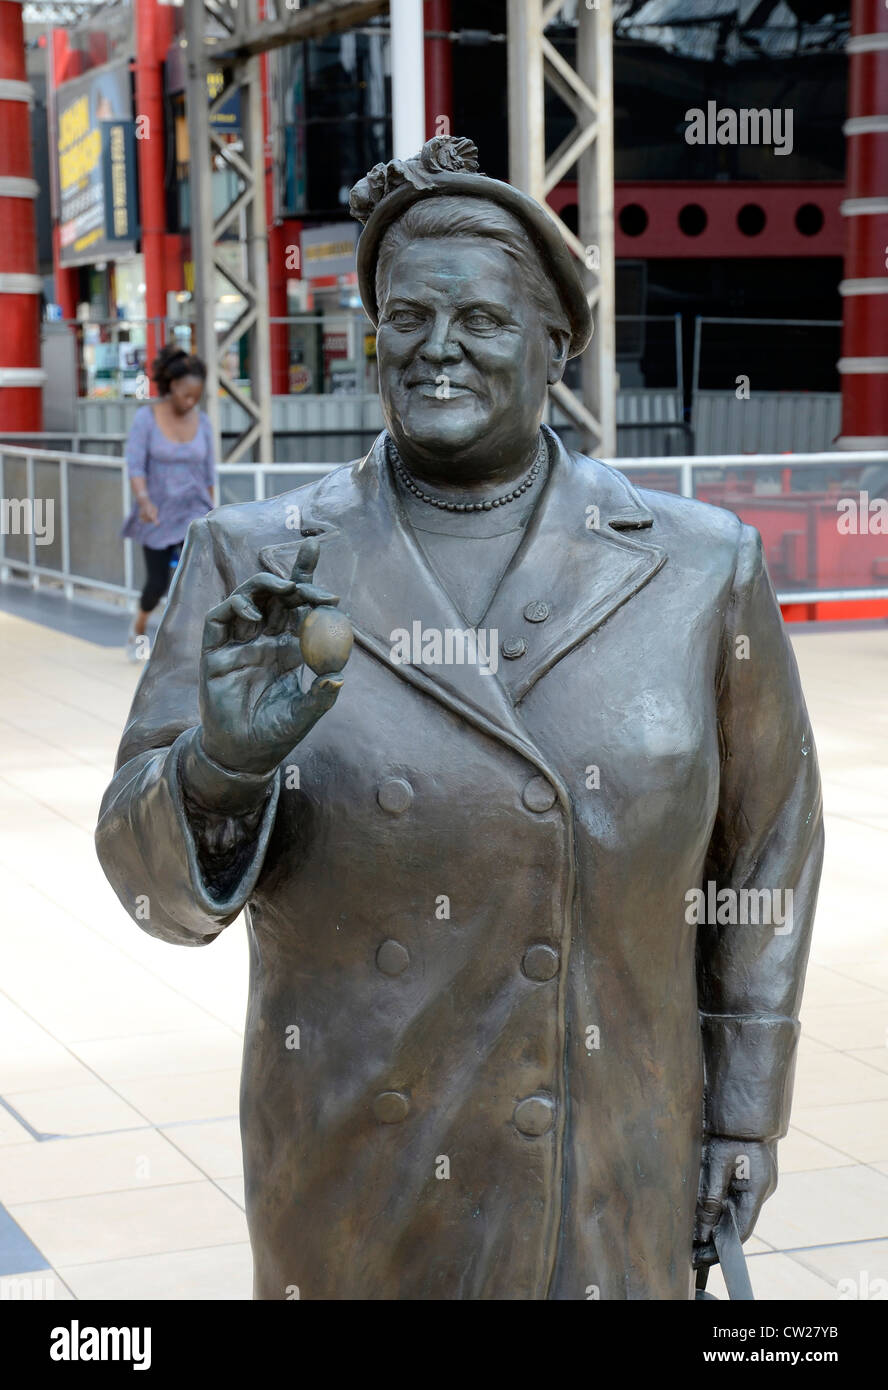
pixel 467 506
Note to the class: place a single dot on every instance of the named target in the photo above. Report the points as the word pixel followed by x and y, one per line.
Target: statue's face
pixel 464 358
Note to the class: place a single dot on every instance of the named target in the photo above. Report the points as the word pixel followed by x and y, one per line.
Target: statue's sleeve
pixel 767 848
pixel 182 870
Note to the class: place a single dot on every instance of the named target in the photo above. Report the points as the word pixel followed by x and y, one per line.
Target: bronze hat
pixel 448 166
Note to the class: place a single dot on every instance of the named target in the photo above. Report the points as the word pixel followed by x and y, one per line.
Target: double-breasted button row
pixel 533 1116
pixel 395 795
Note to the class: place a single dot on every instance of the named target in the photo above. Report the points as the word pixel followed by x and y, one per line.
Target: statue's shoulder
pixel 241 525
pixel 682 524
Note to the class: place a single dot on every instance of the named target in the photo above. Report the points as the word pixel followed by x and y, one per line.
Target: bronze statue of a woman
pixel 471 854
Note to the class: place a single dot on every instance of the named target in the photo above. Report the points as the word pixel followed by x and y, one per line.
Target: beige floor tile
pixel 72 1110
pixel 871 1056
pixel 215 1147
pixel 825 987
pixel 832 1078
pixel 825 1207
pixel 84 1167
pixel 858 1272
pixel 848 1026
pixel 208 1095
pixel 162 1054
pixel 872 972
pixel 30 1058
pixel 222 1272
pixel 11 1132
pixel 859 1129
pixel 756 1246
pixel 121 1225
pixel 799 1153
pixel 234 1188
pixel 40 1286
pixel 775 1276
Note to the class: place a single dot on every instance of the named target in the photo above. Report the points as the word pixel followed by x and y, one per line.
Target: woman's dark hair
pixel 172 363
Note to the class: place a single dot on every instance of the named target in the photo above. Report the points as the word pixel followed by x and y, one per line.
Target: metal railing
pixel 91 494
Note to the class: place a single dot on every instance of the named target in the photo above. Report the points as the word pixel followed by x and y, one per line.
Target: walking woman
pixel 172 469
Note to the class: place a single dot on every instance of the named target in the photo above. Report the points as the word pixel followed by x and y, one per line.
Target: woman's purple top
pixel 179 478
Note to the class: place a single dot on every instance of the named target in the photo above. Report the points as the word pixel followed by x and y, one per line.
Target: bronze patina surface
pixel 529 882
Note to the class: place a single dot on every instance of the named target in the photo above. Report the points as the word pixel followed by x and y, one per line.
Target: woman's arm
pixel 212 484
pixel 137 464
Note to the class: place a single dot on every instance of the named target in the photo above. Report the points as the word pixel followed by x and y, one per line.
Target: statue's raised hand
pixel 252 707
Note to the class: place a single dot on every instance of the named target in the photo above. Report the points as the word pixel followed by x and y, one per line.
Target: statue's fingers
pixel 221 621
pixel 709 1209
pixel 746 1209
pixel 262 587
pixel 312 703
pixel 311 594
pixel 265 650
pixel 306 560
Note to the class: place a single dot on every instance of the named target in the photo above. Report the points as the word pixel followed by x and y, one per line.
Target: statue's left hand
pixel 740 1171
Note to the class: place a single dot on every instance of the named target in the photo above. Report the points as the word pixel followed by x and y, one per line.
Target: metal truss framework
pixel 65 12
pixel 229 36
pixel 587 90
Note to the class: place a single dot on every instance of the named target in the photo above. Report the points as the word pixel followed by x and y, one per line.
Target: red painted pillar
pixel 278 243
pixel 277 250
pixel 154 32
pixel 864 361
pixel 438 70
pixel 21 376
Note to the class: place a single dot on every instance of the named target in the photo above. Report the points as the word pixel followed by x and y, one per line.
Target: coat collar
pixel 585 553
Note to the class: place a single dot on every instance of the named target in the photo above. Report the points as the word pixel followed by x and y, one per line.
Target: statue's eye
pixel 479 322
pixel 404 318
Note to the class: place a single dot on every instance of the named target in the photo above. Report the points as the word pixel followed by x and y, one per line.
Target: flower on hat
pixel 442 154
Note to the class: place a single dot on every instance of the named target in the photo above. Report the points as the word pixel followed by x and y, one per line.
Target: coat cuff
pixel 216 789
pixel 160 820
pixel 749 1067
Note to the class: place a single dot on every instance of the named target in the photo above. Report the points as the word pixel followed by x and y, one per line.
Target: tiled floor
pixel 120 1168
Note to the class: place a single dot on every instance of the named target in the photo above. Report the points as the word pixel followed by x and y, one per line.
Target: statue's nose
pixel 441 344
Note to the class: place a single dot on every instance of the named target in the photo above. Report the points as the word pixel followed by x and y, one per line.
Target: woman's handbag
pixel 731 1258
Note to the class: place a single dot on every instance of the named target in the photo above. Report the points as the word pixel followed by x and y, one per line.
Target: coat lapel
pixel 584 554
pixel 370 557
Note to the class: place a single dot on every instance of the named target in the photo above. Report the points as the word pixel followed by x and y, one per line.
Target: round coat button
pixel 390 1107
pixel 537 611
pixel 540 962
pixel 513 647
pixel 392 958
pixel 535 1115
pixel 538 795
pixel 395 795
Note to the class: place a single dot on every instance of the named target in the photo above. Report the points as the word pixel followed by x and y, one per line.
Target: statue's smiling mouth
pixel 440 388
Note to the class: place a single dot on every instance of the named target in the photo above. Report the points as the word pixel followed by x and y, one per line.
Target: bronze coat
pixel 707 773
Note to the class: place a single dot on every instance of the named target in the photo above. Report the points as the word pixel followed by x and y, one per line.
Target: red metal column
pixel 438 70
pixel 154 32
pixel 864 361
pixel 21 377
pixel 277 248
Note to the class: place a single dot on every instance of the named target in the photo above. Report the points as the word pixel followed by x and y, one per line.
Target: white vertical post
pixel 65 509
pixel 596 216
pixel 527 152
pixel 408 77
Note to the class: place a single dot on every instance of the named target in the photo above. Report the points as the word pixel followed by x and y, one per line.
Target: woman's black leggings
pixel 159 565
